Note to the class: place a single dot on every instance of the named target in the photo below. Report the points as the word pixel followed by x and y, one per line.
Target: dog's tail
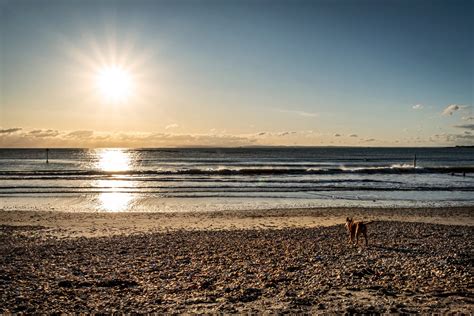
pixel 370 222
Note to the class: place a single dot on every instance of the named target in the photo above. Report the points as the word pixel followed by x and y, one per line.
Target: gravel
pixel 407 268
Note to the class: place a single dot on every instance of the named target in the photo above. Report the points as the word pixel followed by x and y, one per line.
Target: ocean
pixel 216 179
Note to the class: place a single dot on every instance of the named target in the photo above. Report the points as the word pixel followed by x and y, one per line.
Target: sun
pixel 114 83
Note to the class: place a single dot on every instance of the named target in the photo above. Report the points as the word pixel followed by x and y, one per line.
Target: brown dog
pixel 355 229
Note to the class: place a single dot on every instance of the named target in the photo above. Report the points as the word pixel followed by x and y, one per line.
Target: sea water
pixel 213 179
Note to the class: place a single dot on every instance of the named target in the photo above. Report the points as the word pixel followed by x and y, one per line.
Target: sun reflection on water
pixel 114 160
pixel 114 199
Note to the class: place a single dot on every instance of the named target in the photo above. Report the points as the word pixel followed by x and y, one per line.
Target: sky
pixel 237 73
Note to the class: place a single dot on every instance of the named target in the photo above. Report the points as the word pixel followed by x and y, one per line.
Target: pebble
pixel 407 268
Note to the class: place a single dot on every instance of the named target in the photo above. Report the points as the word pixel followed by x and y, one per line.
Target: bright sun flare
pixel 113 160
pixel 114 84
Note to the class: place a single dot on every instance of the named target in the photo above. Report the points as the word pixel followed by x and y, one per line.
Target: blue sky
pixel 238 72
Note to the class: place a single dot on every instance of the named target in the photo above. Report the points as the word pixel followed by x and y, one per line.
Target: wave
pixel 393 169
pixel 218 189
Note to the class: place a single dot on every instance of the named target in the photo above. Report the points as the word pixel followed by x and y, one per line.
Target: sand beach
pixel 417 260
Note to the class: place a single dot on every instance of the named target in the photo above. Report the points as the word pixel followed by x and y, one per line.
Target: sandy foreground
pixel 417 260
pixel 90 224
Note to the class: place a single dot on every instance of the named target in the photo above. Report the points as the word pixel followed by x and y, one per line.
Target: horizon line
pixel 240 147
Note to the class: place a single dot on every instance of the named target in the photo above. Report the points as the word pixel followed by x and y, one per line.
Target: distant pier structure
pixel 47 155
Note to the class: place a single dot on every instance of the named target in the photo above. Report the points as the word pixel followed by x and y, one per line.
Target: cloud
pixel 464 139
pixel 10 130
pixel 44 133
pixel 275 134
pixel 53 138
pixel 337 135
pixel 300 113
pixel 174 125
pixel 454 139
pixel 465 126
pixel 450 109
pixel 80 134
pixel 417 106
pixel 49 138
pixel 286 133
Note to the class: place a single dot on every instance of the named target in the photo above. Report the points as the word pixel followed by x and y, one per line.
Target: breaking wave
pixel 393 169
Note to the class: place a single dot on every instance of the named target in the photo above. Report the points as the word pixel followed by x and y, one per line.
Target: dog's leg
pixel 366 241
pixel 357 233
pixel 349 231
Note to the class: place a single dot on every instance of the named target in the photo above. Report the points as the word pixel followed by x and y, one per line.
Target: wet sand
pixel 417 260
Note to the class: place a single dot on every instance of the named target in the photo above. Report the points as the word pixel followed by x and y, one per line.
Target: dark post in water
pixel 414 162
pixel 47 155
